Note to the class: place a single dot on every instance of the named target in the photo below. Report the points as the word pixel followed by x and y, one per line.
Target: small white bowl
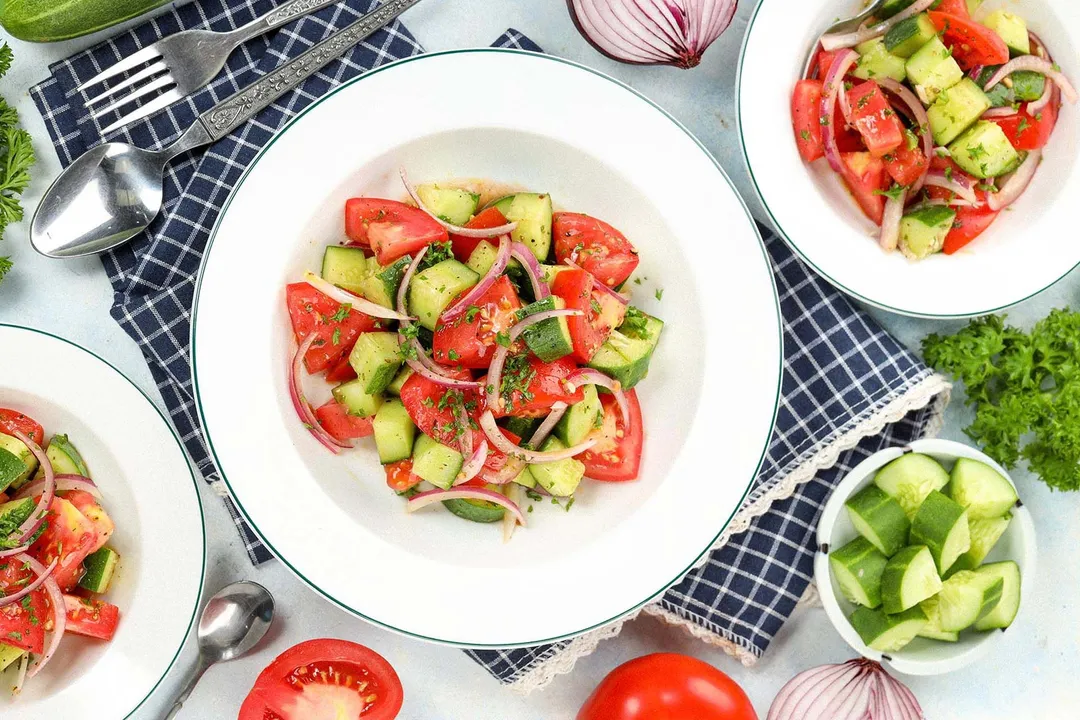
pixel 922 656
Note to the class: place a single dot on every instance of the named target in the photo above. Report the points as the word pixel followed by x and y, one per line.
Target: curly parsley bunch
pixel 16 158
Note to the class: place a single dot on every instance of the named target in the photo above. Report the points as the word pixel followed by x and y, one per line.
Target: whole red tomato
pixel 666 686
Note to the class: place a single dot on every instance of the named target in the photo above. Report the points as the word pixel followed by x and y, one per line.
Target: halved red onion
pixel 64 483
pixel 532 267
pixel 856 690
pixel 32 585
pixel 30 526
pixel 1005 111
pixel 475 462
pixel 59 612
pixel 922 121
pixel 476 292
pixel 347 298
pixel 450 227
pixel 851 39
pixel 959 185
pixel 599 285
pixel 502 443
pixel 300 403
pixel 890 224
pixel 834 84
pixel 588 376
pixel 431 497
pixel 1016 183
pixel 1034 64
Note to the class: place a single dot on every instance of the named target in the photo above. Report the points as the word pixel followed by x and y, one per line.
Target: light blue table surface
pixel 1033 677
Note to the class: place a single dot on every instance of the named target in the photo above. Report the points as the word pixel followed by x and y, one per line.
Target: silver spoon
pixel 112 192
pixel 851 23
pixel 233 621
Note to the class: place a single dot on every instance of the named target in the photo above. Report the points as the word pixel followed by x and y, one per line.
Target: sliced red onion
pixel 37 517
pixel 528 260
pixel 502 443
pixel 588 376
pixel 64 483
pixel 890 224
pixel 301 405
pixel 652 32
pixel 509 521
pixel 420 368
pixel 347 298
pixel 856 690
pixel 958 184
pixel 1017 183
pixel 403 288
pixel 13 551
pixel 477 291
pixel 851 39
pixel 450 227
pixel 557 411
pixel 1034 64
pixel 59 611
pixel 599 285
pixel 32 585
pixel 475 463
pixel 922 122
pixel 431 497
pixel 834 85
pixel 1037 106
pixel 1006 111
pixel 794 690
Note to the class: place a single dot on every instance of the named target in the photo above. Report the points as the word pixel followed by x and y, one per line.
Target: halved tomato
pixel 335 326
pixel 431 407
pixel 22 624
pixel 806 119
pixel 324 679
pixel 595 246
pixel 12 420
pixel 399 476
pixel 602 312
pixel 537 385
pixel 391 229
pixel 469 341
pixel 972 44
pixel 68 536
pixel 336 420
pixel 617 455
pixel 91 618
pixel 866 179
pixel 462 245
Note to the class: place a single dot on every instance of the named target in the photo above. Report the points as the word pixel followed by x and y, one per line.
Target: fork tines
pixel 154 78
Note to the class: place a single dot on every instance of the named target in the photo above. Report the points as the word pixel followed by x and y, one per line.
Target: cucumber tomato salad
pixel 55 563
pixel 934 117
pixel 917 568
pixel 487 348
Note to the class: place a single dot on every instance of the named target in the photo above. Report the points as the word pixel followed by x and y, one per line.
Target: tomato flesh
pixel 91 618
pixel 22 624
pixel 972 44
pixel 99 520
pixel 312 312
pixel 470 340
pixel 595 246
pixel 617 455
pixel 905 165
pixel 430 406
pixel 954 7
pixel 342 371
pixel 336 420
pixel 463 246
pixel 399 476
pixel 602 312
pixel 391 229
pixel 865 178
pixel 69 537
pixel 13 420
pixel 1030 132
pixel 544 385
pixel 969 224
pixel 874 118
pixel 806 119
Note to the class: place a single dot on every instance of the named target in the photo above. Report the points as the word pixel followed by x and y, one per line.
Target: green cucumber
pixel 909 577
pixel 957 109
pixel 627 353
pixel 525 478
pixel 984 151
pixel 100 568
pixel 941 525
pixel 932 70
pixel 382 283
pixel 981 489
pixel 857 568
pixel 479 511
pixel 580 418
pixel 11 468
pixel 1003 614
pixel 21 453
pixel 561 477
pixel 523 427
pixel 66 456
pixel 907 36
pixel 9 655
pixel 548 339
pixel 376 358
pixel 436 463
pixel 888 633
pixel 876 62
pixel 932 629
pixel 346 267
pixel 394 432
pixel 910 478
pixel 454 205
pixel 893 7
pixel 13 513
pixel 1012 29
pixel 985 532
pixel 53 20
pixel 404 374
pixel 431 291
pixel 356 400
pixel 967 597
pixel 532 213
pixel 924 229
pixel 879 518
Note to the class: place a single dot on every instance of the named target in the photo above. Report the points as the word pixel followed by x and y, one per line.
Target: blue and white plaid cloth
pixel 849 388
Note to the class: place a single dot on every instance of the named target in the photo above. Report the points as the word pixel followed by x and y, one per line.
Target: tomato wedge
pixel 969 224
pixel 325 679
pixel 806 119
pixel 469 341
pixel 342 371
pixel 954 7
pixel 91 618
pixel 972 44
pixel 874 118
pixel 595 246
pixel 617 455
pixel 68 536
pixel 336 420
pixel 544 385
pixel 431 407
pixel 335 326
pixel 390 228
pixel 99 520
pixel 905 165
pixel 22 624
pixel 866 178
pixel 602 312
pixel 399 476
pixel 1030 132
pixel 12 420
pixel 463 246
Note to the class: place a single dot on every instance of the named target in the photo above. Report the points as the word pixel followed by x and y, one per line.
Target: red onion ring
pixel 1037 106
pixel 847 40
pixel 890 224
pixel 599 285
pixel 32 586
pixel 450 227
pixel 1017 183
pixel 465 493
pixel 419 368
pixel 475 462
pixel 59 609
pixel 64 483
pixel 834 83
pixel 1005 111
pixel 403 288
pixel 514 466
pixel 503 444
pixel 528 260
pixel 347 298
pixel 13 551
pixel 30 526
pixel 478 290
pixel 958 184
pixel 922 121
pixel 301 405
pixel 588 376
pixel 1034 64
pixel 509 521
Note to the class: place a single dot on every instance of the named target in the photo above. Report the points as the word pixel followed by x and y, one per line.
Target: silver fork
pixel 180 64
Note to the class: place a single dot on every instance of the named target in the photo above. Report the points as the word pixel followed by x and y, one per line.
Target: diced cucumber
pixel 479 511
pixel 910 478
pixel 1000 95
pixel 877 62
pixel 65 457
pixel 14 513
pixel 432 290
pixel 346 267
pixel 893 7
pixel 984 151
pixel 580 418
pixel 9 655
pixel 1012 29
pixel 376 358
pixel 394 432
pixel 22 453
pixel 454 205
pixel 907 36
pixel 523 427
pixel 356 400
pixel 436 463
pixel 381 285
pixel 888 633
pixel 532 213
pixel 956 110
pixel 561 477
pixel 100 568
pixel 932 629
pixel 923 231
pixel 985 532
pixel 11 468
pixel 973 6
pixel 857 567
pixel 404 374
pixel 1028 85
pixel 1003 614
pixel 941 525
pixel 626 357
pixel 966 597
pixel 879 519
pixel 909 577
pixel 932 70
pixel 981 489
pixel 525 478
pixel 548 339
pixel 482 258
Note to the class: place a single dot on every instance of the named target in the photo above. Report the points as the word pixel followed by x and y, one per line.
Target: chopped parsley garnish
pixel 635 324
pixel 659 293
pixel 533 495
pixel 341 314
pixel 517 374
pixel 805 135
pixel 594 304
pixel 471 313
pixel 437 252
pixel 896 192
pixel 336 337
pixel 453 354
pixel 503 339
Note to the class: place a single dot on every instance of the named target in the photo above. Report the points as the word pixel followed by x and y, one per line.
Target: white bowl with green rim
pixel 1030 247
pixel 922 656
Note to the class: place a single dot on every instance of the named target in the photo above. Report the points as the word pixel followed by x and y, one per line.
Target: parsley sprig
pixel 16 158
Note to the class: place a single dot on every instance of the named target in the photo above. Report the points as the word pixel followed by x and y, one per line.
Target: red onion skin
pixel 856 690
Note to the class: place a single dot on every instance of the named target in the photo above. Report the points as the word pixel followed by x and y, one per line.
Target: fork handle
pixel 234 111
pixel 282 14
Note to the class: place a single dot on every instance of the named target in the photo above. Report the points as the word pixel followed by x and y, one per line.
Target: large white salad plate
pixel 709 402
pixel 151 495
pixel 1030 247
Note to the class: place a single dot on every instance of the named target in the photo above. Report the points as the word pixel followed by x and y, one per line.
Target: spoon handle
pixel 193 678
pixel 234 111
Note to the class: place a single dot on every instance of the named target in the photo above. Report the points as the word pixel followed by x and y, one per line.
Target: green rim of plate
pixel 805 258
pixel 194 484
pixel 195 367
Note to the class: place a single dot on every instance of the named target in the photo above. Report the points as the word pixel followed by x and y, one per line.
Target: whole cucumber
pixel 53 20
